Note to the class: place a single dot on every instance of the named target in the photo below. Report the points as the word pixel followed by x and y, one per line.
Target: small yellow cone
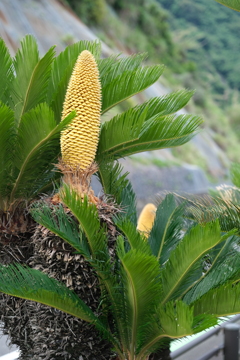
pixel 146 219
pixel 79 140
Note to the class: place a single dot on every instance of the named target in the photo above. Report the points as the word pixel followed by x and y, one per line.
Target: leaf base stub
pixel 78 179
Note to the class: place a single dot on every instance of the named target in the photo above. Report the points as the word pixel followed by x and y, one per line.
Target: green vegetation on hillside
pixel 214 32
pixel 136 26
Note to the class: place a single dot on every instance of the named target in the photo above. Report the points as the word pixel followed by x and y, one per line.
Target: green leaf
pixel 183 264
pixel 30 284
pixel 57 221
pixel 124 129
pixel 117 185
pixel 155 134
pixel 142 290
pixel 105 66
pixel 7 144
pixel 37 149
pixel 174 321
pixel 6 68
pixel 202 322
pixel 129 83
pixel 222 205
pixel 116 65
pixel 235 174
pixel 166 104
pixel 232 4
pixel 121 129
pixel 176 318
pixel 224 265
pixel 61 71
pixel 170 103
pixel 87 215
pixel 134 238
pixel 223 301
pixel 167 228
pixel 32 76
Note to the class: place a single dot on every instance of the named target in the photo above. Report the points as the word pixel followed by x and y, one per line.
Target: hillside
pixel 210 33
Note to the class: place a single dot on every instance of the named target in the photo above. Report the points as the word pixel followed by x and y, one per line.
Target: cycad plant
pixel 35 146
pixel 168 286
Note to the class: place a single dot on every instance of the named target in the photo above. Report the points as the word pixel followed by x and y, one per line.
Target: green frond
pixel 7 144
pixel 116 65
pixel 170 103
pixel 134 238
pixel 223 204
pixel 29 88
pixel 121 130
pixel 129 83
pixel 36 151
pixel 57 221
pixel 125 128
pixel 117 185
pixel 183 268
pixel 232 4
pixel 142 290
pixel 202 322
pixel 6 69
pixel 87 215
pixel 223 301
pixel 30 284
pixel 105 66
pixel 223 265
pixel 167 228
pixel 235 174
pixel 155 134
pixel 167 104
pixel 62 68
pixel 176 318
pixel 174 321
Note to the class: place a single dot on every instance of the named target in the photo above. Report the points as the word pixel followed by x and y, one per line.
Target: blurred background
pixel 199 43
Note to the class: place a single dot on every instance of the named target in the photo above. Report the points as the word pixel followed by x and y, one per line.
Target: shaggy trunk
pixel 44 333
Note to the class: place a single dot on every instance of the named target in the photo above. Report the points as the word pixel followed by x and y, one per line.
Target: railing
pixel 223 342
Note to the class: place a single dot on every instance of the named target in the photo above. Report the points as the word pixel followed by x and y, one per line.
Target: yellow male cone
pixel 80 139
pixel 146 219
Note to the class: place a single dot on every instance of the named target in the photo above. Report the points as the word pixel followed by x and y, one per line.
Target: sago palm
pixel 171 285
pixel 152 125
